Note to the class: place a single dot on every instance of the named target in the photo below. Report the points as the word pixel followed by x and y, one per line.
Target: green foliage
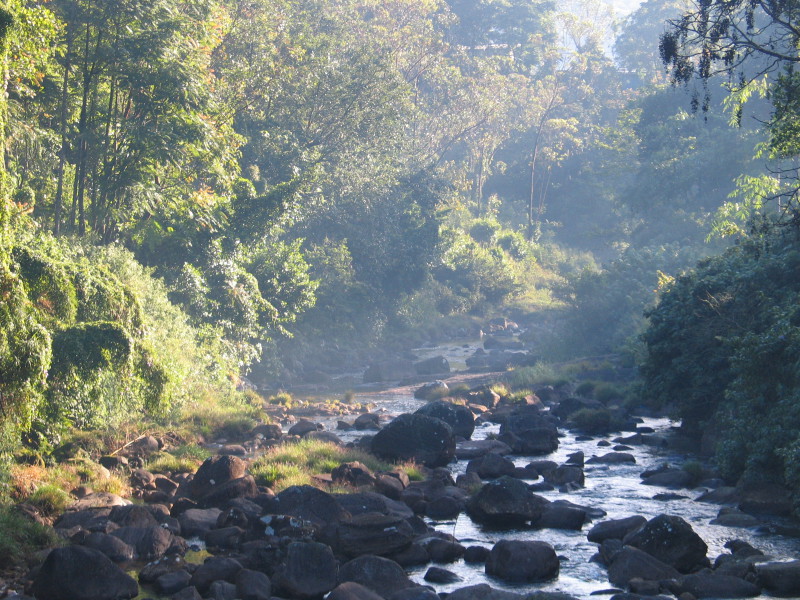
pixel 20 538
pixel 592 421
pixel 50 500
pixel 533 376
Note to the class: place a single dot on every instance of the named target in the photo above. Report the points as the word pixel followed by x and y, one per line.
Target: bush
pixel 592 421
pixel 50 500
pixel 20 538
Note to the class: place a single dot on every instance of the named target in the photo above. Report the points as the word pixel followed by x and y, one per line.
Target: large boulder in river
pixel 631 563
pixel 671 540
pixel 505 502
pixel 528 432
pixel 491 466
pixel 373 533
pixel 712 585
pixel 431 390
pixel 458 416
pixel 78 573
pixel 615 529
pixel 518 561
pixel 416 437
pixel 780 579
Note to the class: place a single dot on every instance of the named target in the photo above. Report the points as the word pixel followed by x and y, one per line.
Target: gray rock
pixel 381 575
pixel 671 540
pixel 505 502
pixel 615 528
pixel 629 563
pixel 78 573
pixel 712 585
pixel 310 570
pixel 781 579
pixel 519 561
pixel 416 437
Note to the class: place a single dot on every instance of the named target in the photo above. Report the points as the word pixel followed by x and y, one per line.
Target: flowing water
pixel 616 489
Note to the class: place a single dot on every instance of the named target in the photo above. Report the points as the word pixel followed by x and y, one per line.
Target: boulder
pixel 309 503
pixel 215 568
pixel 440 575
pixel 560 516
pixel 711 585
pixel 253 585
pixel 766 499
pixel 615 529
pixel 309 571
pixel 459 417
pixel 170 583
pixel 149 543
pixel 612 458
pixel 416 437
pixel 477 448
pixel 431 390
pixel 222 590
pixel 79 573
pixel 214 472
pixel 526 431
pixel 443 508
pixel 432 366
pixel 373 533
pixel 367 421
pixel 350 590
pixel 381 575
pixel 414 593
pixel 565 474
pixel 505 502
pixel 491 466
pixel 671 540
pixel 198 521
pixel 221 495
pixel 517 561
pixel 780 579
pixel 113 547
pixel 483 591
pixel 733 517
pixel 629 563
pixel 303 427
pixel 671 478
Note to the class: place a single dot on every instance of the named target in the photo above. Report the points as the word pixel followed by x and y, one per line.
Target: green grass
pixel 50 499
pixel 20 538
pixel 294 464
pixel 529 377
pixel 165 462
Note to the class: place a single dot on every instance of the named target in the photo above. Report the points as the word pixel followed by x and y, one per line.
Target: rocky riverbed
pixel 514 505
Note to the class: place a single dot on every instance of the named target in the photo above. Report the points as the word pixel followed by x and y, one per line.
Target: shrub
pixel 586 389
pixel 50 500
pixel 533 376
pixel 591 420
pixel 20 538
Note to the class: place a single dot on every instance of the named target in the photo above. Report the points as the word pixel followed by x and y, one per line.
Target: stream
pixel 616 489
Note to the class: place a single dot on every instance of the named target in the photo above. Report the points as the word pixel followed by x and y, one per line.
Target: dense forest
pixel 200 194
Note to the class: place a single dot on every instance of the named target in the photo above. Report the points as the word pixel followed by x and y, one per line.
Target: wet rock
pixel 443 508
pixel 672 478
pixel 439 575
pixel 630 562
pixel 416 437
pixel 350 590
pixel 733 517
pixel 215 568
pixel 505 502
pixel 476 554
pixel 671 540
pixel 559 516
pixel 612 458
pixel 253 585
pixel 373 533
pixel 309 570
pixel 214 472
pixel 381 575
pixel 443 550
pixel 565 474
pixel 615 528
pixel 477 448
pixel 519 561
pixel 414 593
pixel 302 427
pixel 712 585
pixel 413 556
pixel 721 495
pixel 483 591
pixel 78 573
pixel 367 421
pixel 766 499
pixel 309 503
pixel 526 431
pixel 781 579
pixel 459 417
pixel 491 466
pixel 576 458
